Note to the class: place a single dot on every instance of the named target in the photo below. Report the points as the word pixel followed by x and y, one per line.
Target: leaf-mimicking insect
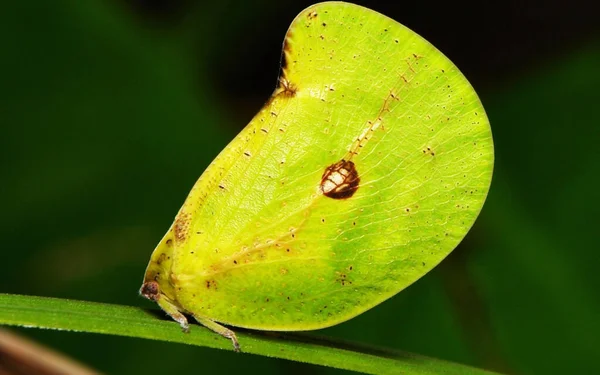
pixel 366 168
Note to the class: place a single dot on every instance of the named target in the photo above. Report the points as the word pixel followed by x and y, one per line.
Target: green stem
pixel 62 314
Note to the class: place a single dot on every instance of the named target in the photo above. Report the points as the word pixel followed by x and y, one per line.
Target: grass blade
pixel 92 317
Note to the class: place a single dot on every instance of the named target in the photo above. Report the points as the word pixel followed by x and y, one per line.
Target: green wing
pixel 364 170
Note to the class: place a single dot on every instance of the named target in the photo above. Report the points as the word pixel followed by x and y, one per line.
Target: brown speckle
pixel 284 54
pixel 342 279
pixel 182 223
pixel 428 150
pixel 161 258
pixel 287 88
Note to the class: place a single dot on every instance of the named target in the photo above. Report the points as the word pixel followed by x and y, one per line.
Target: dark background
pixel 110 110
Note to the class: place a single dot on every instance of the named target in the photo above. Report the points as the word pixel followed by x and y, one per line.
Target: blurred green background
pixel 110 110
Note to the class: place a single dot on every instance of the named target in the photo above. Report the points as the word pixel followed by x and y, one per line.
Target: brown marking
pixel 211 284
pixel 312 15
pixel 343 280
pixel 428 151
pixel 283 64
pixel 287 88
pixel 150 290
pixel 340 180
pixel 410 66
pixel 284 52
pixel 182 223
pixel 367 134
pixel 161 258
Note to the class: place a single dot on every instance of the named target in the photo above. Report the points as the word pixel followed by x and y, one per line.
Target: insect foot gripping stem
pixel 151 291
pixel 216 327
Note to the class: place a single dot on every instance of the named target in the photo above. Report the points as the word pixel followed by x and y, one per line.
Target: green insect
pixel 367 167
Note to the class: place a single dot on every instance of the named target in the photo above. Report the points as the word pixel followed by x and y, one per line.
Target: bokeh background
pixel 110 110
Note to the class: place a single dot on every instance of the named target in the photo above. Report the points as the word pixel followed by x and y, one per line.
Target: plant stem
pixel 92 317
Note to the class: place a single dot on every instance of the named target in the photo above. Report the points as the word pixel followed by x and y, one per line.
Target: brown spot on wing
pixel 182 223
pixel 340 180
pixel 161 258
pixel 211 284
pixel 286 87
pixel 284 52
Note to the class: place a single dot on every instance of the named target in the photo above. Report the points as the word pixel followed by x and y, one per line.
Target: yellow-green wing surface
pixel 367 166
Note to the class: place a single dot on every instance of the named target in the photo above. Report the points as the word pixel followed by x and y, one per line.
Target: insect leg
pixel 216 327
pixel 173 312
